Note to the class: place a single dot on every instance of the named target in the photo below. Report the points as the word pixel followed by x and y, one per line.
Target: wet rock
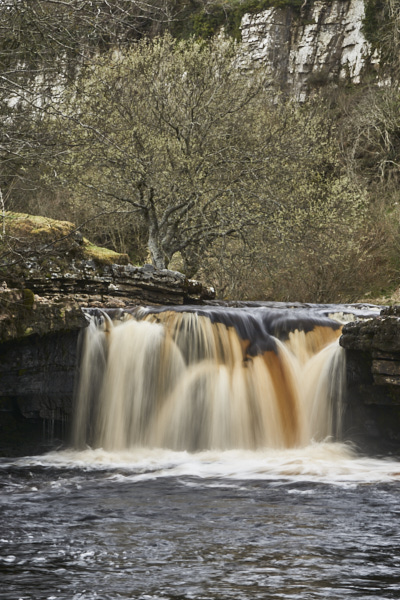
pixel 380 334
pixel 372 403
pixel 393 311
pixel 36 391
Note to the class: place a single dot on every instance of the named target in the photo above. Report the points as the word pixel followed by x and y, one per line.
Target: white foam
pixel 330 463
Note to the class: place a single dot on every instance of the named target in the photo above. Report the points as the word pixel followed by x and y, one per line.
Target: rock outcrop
pixel 24 314
pixel 116 286
pixel 306 48
pixel 56 262
pixel 372 404
pixel 41 316
pixel 38 361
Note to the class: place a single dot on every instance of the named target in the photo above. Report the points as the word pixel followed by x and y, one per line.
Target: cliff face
pixel 323 42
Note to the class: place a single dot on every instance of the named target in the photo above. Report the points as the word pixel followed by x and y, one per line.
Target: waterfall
pixel 195 378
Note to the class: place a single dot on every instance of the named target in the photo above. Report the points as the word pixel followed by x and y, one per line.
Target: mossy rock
pixel 102 255
pixel 46 245
pixel 28 298
pixel 41 229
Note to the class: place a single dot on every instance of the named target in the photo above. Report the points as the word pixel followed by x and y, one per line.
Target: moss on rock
pixel 103 255
pixel 38 244
pixel 28 298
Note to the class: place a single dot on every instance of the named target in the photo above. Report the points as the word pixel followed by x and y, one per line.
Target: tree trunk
pixel 157 255
pixel 154 243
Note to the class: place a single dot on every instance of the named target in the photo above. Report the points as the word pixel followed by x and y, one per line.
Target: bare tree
pixel 165 128
pixel 43 44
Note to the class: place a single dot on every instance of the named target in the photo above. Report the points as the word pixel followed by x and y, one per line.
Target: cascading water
pixel 200 480
pixel 209 378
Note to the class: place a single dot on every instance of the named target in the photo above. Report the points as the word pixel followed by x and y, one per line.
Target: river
pixel 203 467
pixel 317 522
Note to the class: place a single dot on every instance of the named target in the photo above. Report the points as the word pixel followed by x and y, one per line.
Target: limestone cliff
pixel 322 42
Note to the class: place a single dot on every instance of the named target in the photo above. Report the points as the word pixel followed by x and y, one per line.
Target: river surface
pixel 312 523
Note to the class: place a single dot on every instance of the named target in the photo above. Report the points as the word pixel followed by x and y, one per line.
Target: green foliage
pixel 374 131
pixel 319 250
pixel 322 241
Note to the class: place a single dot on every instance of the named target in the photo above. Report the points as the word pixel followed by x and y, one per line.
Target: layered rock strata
pixel 117 286
pixel 372 404
pixel 39 332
